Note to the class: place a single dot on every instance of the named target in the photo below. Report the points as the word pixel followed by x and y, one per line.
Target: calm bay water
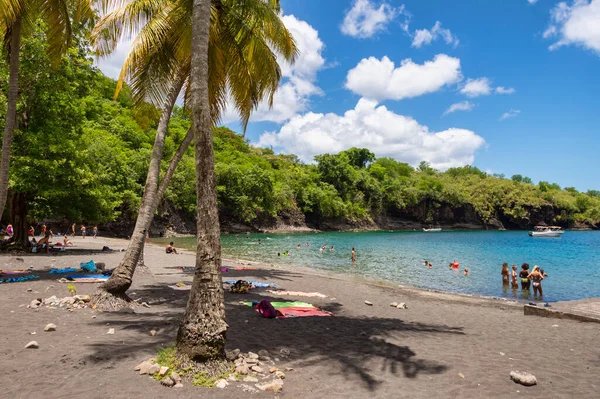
pixel 572 261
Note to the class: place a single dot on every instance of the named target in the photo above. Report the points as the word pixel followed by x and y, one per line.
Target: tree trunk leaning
pixel 122 276
pixel 201 334
pixel 11 114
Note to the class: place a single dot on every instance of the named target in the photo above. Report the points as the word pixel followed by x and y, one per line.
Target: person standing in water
pixel 513 275
pixel 353 255
pixel 536 277
pixel 505 274
pixel 524 275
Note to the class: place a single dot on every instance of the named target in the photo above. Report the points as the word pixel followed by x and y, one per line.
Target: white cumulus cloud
pixel 578 24
pixel 425 36
pixel 293 95
pixel 373 126
pixel 477 87
pixel 510 114
pixel 381 79
pixel 365 19
pixel 504 90
pixel 461 106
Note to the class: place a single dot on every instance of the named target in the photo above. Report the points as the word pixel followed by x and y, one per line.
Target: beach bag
pixel 88 266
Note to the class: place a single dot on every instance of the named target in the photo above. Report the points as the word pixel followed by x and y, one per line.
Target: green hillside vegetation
pixel 81 155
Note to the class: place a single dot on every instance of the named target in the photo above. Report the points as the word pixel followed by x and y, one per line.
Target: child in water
pixel 466 271
pixel 505 274
pixel 513 275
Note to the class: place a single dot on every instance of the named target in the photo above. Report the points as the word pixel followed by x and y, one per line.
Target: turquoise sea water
pixel 572 261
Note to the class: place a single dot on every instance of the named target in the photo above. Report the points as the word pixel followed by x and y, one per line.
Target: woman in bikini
pixel 524 274
pixel 513 275
pixel 536 277
pixel 505 274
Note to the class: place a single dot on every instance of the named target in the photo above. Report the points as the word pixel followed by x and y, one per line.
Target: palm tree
pixel 17 17
pixel 201 334
pixel 241 64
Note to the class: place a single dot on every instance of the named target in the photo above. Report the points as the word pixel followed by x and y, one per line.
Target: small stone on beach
pixel 50 327
pixel 153 332
pixel 221 383
pixel 274 386
pixel 32 345
pixel 402 305
pixel 250 379
pixel 175 377
pixel 523 378
pixel 167 382
pixel 111 331
pixel 369 303
pixel 163 371
pixel 257 369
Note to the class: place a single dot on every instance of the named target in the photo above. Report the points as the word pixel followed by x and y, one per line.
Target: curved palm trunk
pixel 201 334
pixel 122 276
pixel 11 115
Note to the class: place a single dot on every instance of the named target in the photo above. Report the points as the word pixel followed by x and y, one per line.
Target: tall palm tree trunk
pixel 201 334
pixel 11 115
pixel 122 276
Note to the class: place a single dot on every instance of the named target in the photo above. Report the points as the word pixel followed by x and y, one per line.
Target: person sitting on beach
pixel 505 274
pixel 536 277
pixel 266 309
pixel 466 271
pixel 44 242
pixel 513 275
pixel 524 275
pixel 67 242
pixel 170 249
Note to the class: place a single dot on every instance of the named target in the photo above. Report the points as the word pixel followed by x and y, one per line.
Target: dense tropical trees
pixel 19 17
pixel 242 64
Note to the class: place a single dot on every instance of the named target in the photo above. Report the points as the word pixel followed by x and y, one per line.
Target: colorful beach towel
pixel 84 278
pixel 256 284
pixel 298 293
pixel 60 271
pixel 18 279
pixel 278 305
pixel 14 272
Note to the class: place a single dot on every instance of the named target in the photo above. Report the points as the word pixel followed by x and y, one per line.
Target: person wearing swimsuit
pixel 524 275
pixel 513 275
pixel 504 274
pixel 536 277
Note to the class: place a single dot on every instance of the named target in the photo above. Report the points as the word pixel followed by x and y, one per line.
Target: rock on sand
pixel 50 327
pixel 523 378
pixel 32 345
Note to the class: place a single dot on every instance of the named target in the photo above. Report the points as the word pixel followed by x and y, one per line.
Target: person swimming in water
pixel 466 272
pixel 332 249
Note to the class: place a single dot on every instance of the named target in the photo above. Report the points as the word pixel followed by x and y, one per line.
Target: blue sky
pixel 522 75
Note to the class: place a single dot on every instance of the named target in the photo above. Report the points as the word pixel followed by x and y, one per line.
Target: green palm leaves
pixel 246 37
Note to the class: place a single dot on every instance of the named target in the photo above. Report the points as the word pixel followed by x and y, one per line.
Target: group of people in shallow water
pixel 452 265
pixel 321 249
pixel 528 278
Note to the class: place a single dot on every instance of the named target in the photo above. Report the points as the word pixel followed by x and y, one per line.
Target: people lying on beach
pixel 466 272
pixel 524 275
pixel 513 275
pixel 353 255
pixel 67 242
pixel 536 277
pixel 505 274
pixel 331 248
pixel 170 249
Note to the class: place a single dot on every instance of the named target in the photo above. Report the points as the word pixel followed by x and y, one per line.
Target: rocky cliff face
pixel 172 221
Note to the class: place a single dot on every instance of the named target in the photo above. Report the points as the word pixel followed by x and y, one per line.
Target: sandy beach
pixel 442 345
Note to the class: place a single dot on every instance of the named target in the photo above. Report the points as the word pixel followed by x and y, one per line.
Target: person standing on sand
pixel 513 275
pixel 82 231
pixel 95 231
pixel 353 255
pixel 43 232
pixel 536 277
pixel 505 274
pixel 73 230
pixel 524 274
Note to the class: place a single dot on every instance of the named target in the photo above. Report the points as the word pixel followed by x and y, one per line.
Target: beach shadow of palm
pixel 371 348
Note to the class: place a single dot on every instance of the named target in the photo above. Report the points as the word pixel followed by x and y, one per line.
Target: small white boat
pixel 432 230
pixel 546 231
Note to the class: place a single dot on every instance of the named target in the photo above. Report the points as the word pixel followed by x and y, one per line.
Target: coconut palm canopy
pixel 246 36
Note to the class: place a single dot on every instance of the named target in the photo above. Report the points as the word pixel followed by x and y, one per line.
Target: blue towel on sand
pixel 18 279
